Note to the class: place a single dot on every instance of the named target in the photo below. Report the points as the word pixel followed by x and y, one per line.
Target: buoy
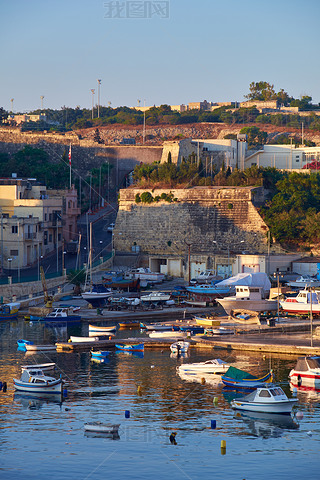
pixel 139 390
pixel 215 400
pixel 127 413
pixel 299 415
pixel 110 337
pixel 223 447
pixel 4 387
pixel 309 433
pixel 65 392
pixel 203 381
pixel 173 438
pixel 213 424
pixel 294 391
pixel 152 366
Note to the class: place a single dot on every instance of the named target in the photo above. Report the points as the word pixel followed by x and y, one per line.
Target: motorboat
pixel 39 348
pixel 241 380
pixel 128 347
pixel 219 331
pixel 209 292
pixel 206 276
pixel 303 303
pixel 248 298
pixel 303 282
pixel 22 343
pixel 8 313
pixel 40 366
pixel 168 334
pixel 62 313
pixel 306 372
pixel 36 381
pixel 156 297
pixel 268 399
pixel 100 330
pixel 215 366
pixel 147 274
pixel 97 296
pixel 74 339
pixel 159 327
pixel 179 347
pixel 100 427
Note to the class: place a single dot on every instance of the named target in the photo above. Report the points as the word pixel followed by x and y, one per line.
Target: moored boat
pixel 74 339
pixel 100 427
pixel 8 313
pixel 215 366
pixel 40 366
pixel 40 348
pixel 101 330
pixel 179 347
pixel 22 343
pixel 159 327
pixel 207 321
pixel 128 347
pixel 306 372
pixel 132 324
pixel 36 381
pixel 268 399
pixel 241 380
pixel 167 334
pixel 62 313
pixel 100 354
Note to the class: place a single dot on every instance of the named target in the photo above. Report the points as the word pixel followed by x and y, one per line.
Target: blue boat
pixel 7 314
pixel 241 380
pixel 126 347
pixel 194 329
pixel 100 354
pixel 22 343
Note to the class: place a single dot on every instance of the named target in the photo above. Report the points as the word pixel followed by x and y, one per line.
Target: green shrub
pixel 137 198
pixel 146 197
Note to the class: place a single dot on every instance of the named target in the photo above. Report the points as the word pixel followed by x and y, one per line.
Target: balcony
pixel 29 236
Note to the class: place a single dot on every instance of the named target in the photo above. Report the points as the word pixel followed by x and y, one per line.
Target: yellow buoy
pixel 215 400
pixel 203 381
pixel 139 390
pixel 223 444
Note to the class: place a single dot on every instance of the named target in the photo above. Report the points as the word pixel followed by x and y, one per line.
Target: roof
pixel 307 260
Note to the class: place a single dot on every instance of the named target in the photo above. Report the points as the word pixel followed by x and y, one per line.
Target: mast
pixel 90 257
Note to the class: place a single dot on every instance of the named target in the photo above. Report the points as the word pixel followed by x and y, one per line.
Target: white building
pixel 283 157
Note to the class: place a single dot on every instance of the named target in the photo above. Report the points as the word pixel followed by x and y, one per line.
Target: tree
pixel 3 115
pixel 96 136
pixel 77 278
pixel 262 91
pixel 255 135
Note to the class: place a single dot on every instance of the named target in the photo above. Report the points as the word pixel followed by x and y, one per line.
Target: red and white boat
pixel 306 372
pixel 303 303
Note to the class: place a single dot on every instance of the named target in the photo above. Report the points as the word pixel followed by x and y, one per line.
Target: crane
pixel 47 298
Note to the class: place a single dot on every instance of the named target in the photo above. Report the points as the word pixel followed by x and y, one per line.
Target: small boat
pixel 249 298
pixel 268 399
pixel 40 348
pixel 303 282
pixel 74 339
pixel 158 327
pixel 127 347
pixel 156 297
pixel 147 274
pixel 179 347
pixel 302 303
pixel 215 366
pixel 132 324
pixel 219 331
pixel 40 366
pixel 102 330
pixel 22 343
pixel 207 321
pixel 239 379
pixel 65 314
pixel 100 427
pixel 168 334
pixel 100 354
pixel 36 381
pixel 193 329
pixel 97 296
pixel 306 372
pixel 8 313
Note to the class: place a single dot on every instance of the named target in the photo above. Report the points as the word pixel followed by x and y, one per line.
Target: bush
pixel 137 198
pixel 146 197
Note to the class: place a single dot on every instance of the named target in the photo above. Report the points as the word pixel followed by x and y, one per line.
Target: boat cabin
pixel 245 292
pixel 267 394
pixel 33 376
pixel 305 364
pixel 305 297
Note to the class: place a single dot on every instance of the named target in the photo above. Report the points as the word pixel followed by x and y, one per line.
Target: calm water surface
pixel 41 438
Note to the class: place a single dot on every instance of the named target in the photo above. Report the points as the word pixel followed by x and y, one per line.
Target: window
pixel 14 253
pixel 45 238
pixel 50 217
pixel 59 237
pixel 50 238
pixel 14 229
pixel 264 393
pixel 45 217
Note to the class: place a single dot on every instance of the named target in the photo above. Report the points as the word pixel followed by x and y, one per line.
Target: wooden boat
pixel 40 348
pixel 133 324
pixel 239 379
pixel 40 366
pixel 102 330
pixel 169 334
pixel 249 298
pixel 215 366
pixel 179 347
pixel 127 347
pixel 102 427
pixel 158 327
pixel 74 339
pixel 268 399
pixel 36 381
pixel 192 329
pixel 6 313
pixel 207 321
pixel 306 372
pixel 22 343
pixel 100 354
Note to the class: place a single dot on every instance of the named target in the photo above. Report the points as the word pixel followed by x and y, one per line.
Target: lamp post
pixel 9 266
pixel 144 121
pixel 12 99
pixel 63 263
pixel 99 83
pixel 41 98
pixel 92 91
pixel 311 319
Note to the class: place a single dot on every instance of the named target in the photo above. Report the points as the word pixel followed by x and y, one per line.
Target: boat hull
pixel 51 388
pixel 284 407
pixel 101 428
pixel 40 348
pixel 130 348
pixel 233 303
pixel 102 330
pixel 300 308
pixel 68 318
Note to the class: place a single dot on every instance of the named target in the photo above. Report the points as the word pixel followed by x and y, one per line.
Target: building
pixel 25 118
pixel 284 157
pixel 70 212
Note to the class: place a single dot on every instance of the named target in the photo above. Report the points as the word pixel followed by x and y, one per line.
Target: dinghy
pixel 35 381
pixel 268 399
pixel 100 427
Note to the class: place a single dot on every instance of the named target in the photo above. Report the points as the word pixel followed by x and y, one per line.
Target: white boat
pixel 156 297
pixel 40 348
pixel 74 339
pixel 180 347
pixel 220 331
pixel 97 299
pixel 248 298
pixel 306 372
pixel 146 274
pixel 156 327
pixel 40 366
pixel 302 303
pixel 102 427
pixel 102 330
pixel 268 399
pixel 35 381
pixel 303 282
pixel 169 334
pixel 62 313
pixel 206 276
pixel 215 366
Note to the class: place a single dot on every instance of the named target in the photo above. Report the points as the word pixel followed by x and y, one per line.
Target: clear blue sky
pixel 206 49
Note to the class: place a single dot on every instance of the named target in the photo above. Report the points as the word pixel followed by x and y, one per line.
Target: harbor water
pixel 44 438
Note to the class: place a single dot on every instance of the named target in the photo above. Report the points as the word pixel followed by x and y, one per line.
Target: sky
pixel 173 52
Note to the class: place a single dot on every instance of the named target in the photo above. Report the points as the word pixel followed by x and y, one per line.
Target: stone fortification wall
pixel 208 218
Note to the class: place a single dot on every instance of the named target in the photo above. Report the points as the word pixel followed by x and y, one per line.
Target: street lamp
pixel 41 98
pixel 92 91
pixel 12 99
pixel 9 266
pixel 99 83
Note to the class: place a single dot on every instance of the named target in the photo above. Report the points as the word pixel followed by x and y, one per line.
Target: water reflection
pixel 32 401
pixel 267 425
pixel 110 436
pixel 307 394
pixel 203 378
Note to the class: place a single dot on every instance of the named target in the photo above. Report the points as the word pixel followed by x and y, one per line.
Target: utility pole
pixel 144 122
pixel 92 91
pixel 99 83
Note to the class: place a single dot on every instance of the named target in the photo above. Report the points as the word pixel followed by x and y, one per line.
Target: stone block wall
pixel 208 218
